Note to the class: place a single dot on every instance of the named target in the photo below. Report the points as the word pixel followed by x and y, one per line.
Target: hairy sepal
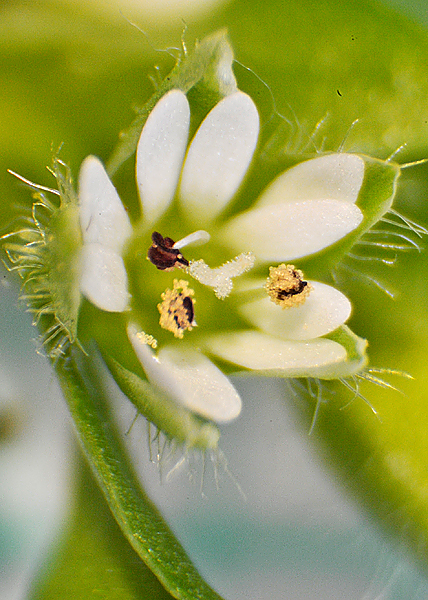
pixel 174 421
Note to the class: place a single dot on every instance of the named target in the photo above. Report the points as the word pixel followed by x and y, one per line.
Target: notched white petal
pixel 284 232
pixel 190 379
pixel 160 153
pixel 103 218
pixel 103 279
pixel 219 157
pixel 334 176
pixel 323 311
pixel 264 353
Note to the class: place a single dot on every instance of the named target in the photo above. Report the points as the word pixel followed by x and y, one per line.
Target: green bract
pixel 46 254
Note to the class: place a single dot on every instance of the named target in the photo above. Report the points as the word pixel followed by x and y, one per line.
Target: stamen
pixel 221 278
pixel 163 254
pixel 286 286
pixel 197 238
pixel 176 310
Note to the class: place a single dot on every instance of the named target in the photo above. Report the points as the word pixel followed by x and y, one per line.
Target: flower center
pixel 177 306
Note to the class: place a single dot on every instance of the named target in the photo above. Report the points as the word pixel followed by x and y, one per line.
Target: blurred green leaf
pixel 325 60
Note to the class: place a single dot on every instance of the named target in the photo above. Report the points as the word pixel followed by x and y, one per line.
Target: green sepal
pixel 173 420
pixel 46 255
pixel 355 347
pixel 63 246
pixel 207 71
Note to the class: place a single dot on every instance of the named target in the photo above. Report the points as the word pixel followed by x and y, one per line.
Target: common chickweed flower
pixel 281 319
pixel 208 278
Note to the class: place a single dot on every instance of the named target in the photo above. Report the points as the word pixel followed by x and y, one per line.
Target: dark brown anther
pixel 295 288
pixel 162 254
pixel 188 307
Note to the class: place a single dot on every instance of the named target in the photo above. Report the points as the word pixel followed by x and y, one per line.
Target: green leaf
pixel 94 558
pixel 138 518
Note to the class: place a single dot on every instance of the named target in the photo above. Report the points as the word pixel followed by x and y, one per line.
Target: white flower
pixel 304 210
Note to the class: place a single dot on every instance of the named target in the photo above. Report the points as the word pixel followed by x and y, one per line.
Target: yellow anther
pixel 286 286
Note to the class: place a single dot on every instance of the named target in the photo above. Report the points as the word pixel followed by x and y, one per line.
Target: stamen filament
pixel 196 238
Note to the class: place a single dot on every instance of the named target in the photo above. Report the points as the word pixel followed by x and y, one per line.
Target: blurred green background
pixel 70 74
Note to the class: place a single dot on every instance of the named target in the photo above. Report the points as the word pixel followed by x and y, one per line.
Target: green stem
pixel 136 515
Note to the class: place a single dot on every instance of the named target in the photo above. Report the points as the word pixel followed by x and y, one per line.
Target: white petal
pixel 334 177
pixel 190 379
pixel 219 157
pixel 160 153
pixel 291 230
pixel 261 352
pixel 324 310
pixel 103 218
pixel 104 280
